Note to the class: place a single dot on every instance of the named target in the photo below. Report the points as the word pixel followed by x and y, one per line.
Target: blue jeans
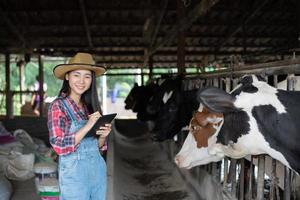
pixel 82 174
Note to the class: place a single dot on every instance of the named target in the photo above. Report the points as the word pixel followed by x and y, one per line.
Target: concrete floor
pixel 140 169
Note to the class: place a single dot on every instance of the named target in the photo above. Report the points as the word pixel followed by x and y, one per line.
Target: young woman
pixel 82 170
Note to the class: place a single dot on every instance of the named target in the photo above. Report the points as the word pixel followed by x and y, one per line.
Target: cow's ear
pixel 217 100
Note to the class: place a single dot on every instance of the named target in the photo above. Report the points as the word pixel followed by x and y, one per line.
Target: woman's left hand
pixel 104 131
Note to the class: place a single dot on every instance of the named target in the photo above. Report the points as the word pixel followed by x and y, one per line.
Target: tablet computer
pixel 104 119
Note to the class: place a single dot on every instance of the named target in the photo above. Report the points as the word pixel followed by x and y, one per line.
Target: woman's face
pixel 79 81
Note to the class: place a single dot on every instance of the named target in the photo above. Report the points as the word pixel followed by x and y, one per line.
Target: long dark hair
pixel 88 98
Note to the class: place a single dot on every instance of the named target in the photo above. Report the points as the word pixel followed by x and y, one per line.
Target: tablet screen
pixel 105 119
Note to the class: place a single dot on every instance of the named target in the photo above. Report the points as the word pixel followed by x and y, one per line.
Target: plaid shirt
pixel 59 123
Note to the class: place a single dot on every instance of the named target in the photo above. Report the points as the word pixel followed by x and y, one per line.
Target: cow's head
pixel 138 99
pixel 166 89
pixel 246 109
pixel 204 127
pixel 165 104
pixel 132 98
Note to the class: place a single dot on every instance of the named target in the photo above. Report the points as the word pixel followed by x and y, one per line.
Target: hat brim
pixel 60 70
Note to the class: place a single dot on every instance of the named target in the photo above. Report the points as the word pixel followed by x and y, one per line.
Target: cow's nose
pixel 177 160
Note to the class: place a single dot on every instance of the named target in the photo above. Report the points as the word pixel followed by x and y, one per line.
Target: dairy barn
pixel 205 91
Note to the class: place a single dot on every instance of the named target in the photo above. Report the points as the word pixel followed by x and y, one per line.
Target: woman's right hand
pixel 93 119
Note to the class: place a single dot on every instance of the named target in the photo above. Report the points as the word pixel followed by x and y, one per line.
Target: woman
pixel 82 170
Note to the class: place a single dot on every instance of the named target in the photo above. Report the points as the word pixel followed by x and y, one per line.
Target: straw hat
pixel 79 61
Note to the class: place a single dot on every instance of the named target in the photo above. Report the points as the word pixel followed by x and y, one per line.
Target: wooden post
pixel 21 65
pixel 214 170
pixel 275 81
pixel 260 177
pixel 287 184
pixel 142 75
pixel 225 179
pixel 41 88
pixel 250 189
pixel 181 39
pixel 287 171
pixel 225 171
pixel 242 179
pixel 9 96
pixel 232 176
pixel 274 179
pixel 150 67
pixel 216 82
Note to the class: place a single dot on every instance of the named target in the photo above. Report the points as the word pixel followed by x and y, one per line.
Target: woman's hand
pixel 93 119
pixel 104 131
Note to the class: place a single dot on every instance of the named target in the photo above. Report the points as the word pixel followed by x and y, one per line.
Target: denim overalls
pixel 82 174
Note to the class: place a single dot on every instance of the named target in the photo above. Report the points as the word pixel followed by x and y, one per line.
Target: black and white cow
pixel 257 119
pixel 172 107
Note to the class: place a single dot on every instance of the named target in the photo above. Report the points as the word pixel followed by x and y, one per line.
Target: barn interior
pixel 211 40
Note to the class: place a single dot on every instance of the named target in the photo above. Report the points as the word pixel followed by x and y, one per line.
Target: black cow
pixel 138 99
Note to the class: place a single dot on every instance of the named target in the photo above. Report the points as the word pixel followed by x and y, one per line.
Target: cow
pixel 138 98
pixel 257 119
pixel 173 108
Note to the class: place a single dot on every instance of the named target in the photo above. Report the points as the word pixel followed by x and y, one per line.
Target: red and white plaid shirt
pixel 59 123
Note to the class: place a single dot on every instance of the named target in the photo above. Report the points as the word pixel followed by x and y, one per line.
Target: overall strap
pixel 71 114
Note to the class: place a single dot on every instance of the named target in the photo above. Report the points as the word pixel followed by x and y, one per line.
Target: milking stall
pixel 206 95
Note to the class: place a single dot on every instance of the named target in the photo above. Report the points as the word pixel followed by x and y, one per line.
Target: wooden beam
pixel 137 42
pixel 298 21
pixel 180 39
pixel 132 25
pixel 9 97
pixel 21 64
pixel 139 54
pixel 85 22
pixel 200 10
pixel 162 13
pixel 13 28
pixel 41 83
pixel 150 67
pixel 244 21
pixel 270 68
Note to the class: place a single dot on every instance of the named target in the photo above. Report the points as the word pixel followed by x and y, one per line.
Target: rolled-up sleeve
pixel 60 137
